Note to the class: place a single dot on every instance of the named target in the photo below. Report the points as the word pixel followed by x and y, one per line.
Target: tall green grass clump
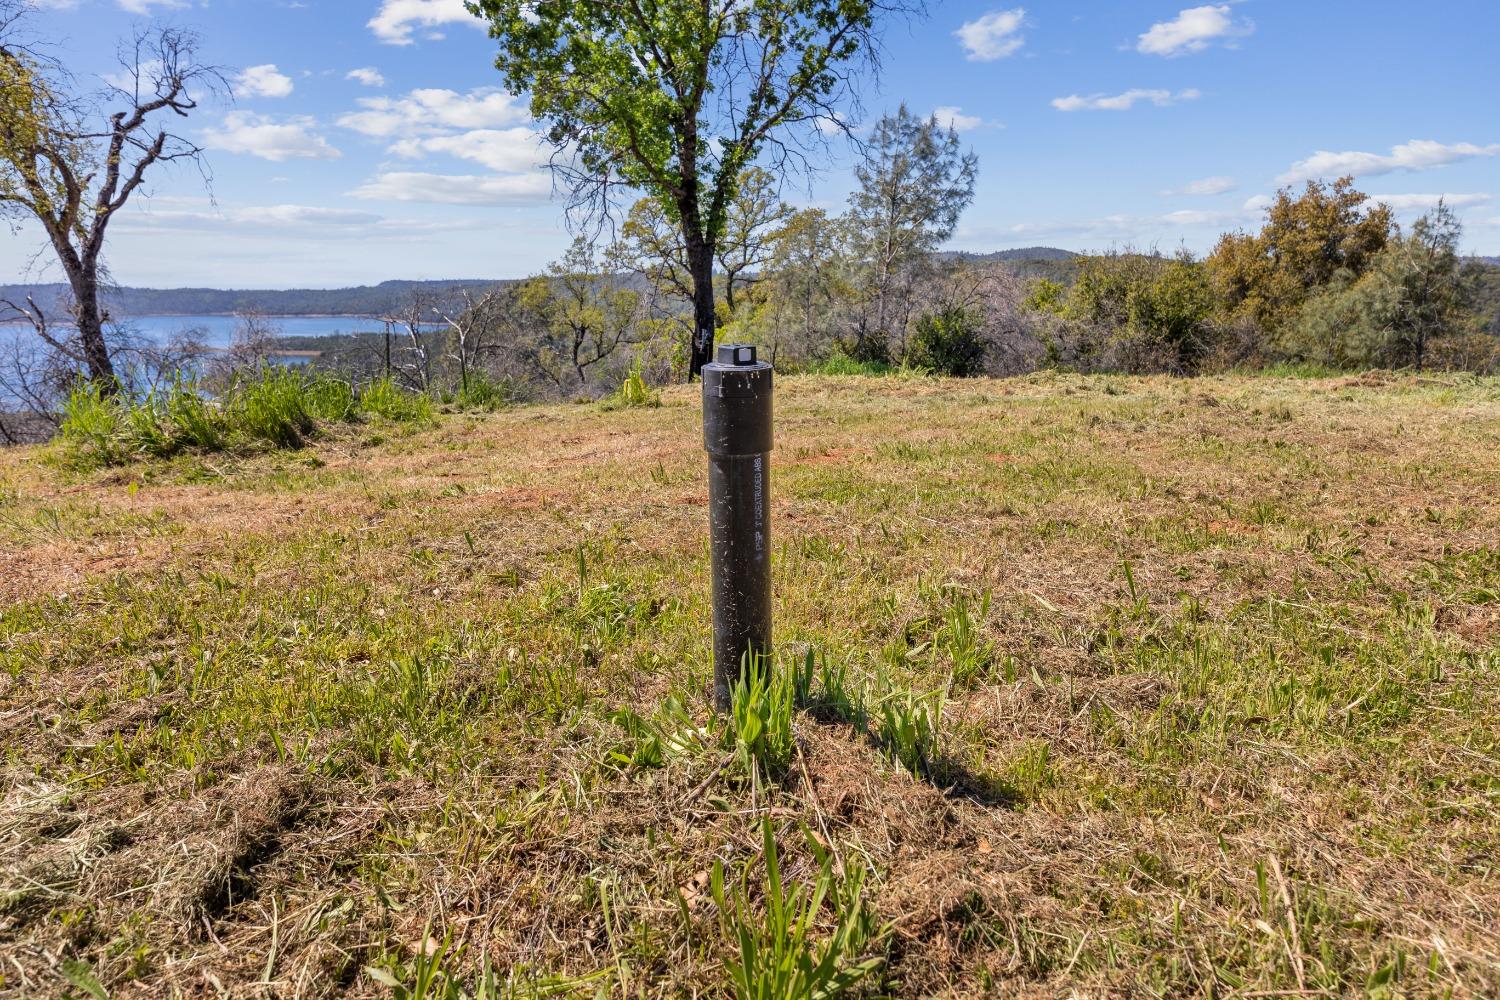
pixel 779 955
pixel 194 420
pixel 761 704
pixel 480 391
pixel 90 430
pixel 331 399
pixel 840 363
pixel 907 725
pixel 384 398
pixel 633 392
pixel 272 406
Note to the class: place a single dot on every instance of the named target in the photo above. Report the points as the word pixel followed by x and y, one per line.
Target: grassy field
pixel 1210 668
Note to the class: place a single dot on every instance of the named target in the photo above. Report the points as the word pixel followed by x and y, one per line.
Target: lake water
pixel 217 330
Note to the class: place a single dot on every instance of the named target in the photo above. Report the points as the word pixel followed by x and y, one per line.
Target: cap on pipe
pixel 737 402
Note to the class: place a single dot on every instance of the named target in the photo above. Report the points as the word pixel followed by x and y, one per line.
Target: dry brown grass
pixel 270 722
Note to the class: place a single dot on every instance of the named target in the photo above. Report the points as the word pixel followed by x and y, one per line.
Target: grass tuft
pixel 780 953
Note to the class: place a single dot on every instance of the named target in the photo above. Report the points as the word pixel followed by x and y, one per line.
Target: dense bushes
pixel 272 407
pixel 1329 281
pixel 948 343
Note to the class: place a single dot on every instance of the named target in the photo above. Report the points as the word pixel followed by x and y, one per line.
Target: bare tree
pixel 472 321
pixel 411 319
pixel 72 166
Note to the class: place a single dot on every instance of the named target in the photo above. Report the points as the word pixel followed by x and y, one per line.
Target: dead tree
pixel 471 320
pixel 72 166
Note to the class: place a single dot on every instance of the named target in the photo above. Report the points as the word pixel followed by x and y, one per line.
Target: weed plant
pixel 781 954
pixel 762 702
pixel 273 406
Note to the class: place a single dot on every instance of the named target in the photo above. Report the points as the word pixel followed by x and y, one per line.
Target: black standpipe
pixel 737 434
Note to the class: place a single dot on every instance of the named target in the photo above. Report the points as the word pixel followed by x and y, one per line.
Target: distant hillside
pixel 363 300
pixel 1010 256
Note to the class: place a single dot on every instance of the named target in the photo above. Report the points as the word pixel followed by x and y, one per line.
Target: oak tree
pixel 675 98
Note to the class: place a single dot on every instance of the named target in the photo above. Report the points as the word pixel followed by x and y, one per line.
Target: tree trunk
pixel 90 323
pixel 701 267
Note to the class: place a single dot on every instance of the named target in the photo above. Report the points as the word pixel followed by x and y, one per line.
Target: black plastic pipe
pixel 737 434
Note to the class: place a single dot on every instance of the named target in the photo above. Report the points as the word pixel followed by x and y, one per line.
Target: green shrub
pixel 948 343
pixel 779 956
pixel 384 398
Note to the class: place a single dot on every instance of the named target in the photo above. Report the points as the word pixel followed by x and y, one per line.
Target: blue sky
pixel 1097 124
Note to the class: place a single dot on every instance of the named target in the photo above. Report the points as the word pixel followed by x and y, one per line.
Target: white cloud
pixel 993 36
pixel 279 216
pixel 1123 102
pixel 1418 154
pixel 144 6
pixel 433 110
pixel 263 81
pixel 1192 30
pixel 1205 186
pixel 367 75
pixel 397 19
pixel 256 135
pixel 1256 204
pixel 1121 228
pixel 832 126
pixel 513 150
pixel 954 118
pixel 285 221
pixel 1423 202
pixel 445 189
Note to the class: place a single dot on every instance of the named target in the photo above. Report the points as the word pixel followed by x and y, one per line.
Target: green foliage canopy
pixel 1306 241
pixel 677 97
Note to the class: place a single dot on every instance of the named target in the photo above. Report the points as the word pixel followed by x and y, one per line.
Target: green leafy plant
pixel 634 391
pixel 760 716
pixel 907 727
pixel 779 953
pixel 384 398
pixel 271 406
pixel 652 742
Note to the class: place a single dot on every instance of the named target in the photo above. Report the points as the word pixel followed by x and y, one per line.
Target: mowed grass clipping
pixel 1094 686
